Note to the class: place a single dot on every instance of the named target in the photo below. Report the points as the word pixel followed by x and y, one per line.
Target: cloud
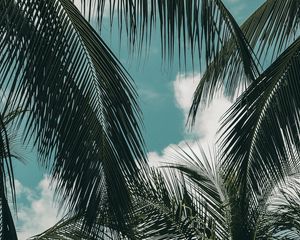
pixel 206 125
pixel 207 122
pixel 149 95
pixel 184 87
pixel 40 213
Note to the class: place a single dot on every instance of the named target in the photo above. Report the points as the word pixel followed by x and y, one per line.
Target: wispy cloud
pixel 149 95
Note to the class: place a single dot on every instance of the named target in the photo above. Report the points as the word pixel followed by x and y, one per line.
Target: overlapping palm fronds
pixel 200 28
pixel 269 31
pixel 7 229
pixel 164 208
pixel 83 116
pixel 84 119
pixel 262 127
pixel 268 214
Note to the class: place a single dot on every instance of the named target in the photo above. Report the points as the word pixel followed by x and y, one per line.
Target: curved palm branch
pixel 168 210
pixel 261 129
pixel 272 26
pixel 268 30
pixel 7 229
pixel 237 214
pixel 7 154
pixel 71 227
pixel 83 115
pixel 206 178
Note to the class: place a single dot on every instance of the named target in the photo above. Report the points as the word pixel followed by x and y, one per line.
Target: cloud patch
pixel 206 125
pixel 40 213
pixel 207 121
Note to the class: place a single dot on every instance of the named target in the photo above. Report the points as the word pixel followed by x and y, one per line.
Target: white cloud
pixel 206 125
pixel 156 159
pixel 207 122
pixel 184 87
pixel 40 213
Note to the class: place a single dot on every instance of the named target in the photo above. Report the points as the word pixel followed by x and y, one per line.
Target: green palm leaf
pixel 261 132
pixel 7 155
pixel 168 210
pixel 83 116
pixel 197 25
pixel 204 175
pixel 269 30
pixel 272 26
pixel 163 209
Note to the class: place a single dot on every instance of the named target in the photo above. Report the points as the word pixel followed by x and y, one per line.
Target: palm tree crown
pixel 84 119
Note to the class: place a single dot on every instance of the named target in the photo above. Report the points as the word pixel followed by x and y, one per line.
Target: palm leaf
pixel 163 209
pixel 261 132
pixel 168 210
pixel 272 27
pixel 269 30
pixel 83 116
pixel 7 154
pixel 71 227
pixel 197 25
pixel 205 177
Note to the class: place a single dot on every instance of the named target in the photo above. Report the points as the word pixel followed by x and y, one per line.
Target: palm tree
pixel 260 132
pixel 260 138
pixel 50 54
pixel 268 213
pixel 54 64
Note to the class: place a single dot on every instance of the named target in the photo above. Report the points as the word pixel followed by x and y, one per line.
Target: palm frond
pixel 71 227
pixel 165 209
pixel 83 116
pixel 269 30
pixel 203 174
pixel 7 228
pixel 7 154
pixel 192 25
pixel 162 210
pixel 272 27
pixel 261 129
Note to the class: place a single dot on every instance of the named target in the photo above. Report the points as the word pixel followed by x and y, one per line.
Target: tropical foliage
pixel 50 54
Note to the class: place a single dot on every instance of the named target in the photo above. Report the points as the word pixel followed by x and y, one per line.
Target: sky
pixel 165 94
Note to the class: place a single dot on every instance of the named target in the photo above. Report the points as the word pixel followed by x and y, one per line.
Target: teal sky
pixel 163 119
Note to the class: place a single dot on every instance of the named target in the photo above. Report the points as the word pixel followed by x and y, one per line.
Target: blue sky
pixel 165 95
